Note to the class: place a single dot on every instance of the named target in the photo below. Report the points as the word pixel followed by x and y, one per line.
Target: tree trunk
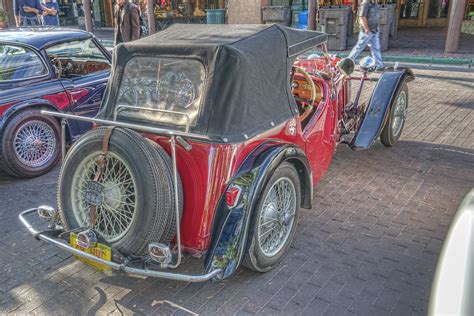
pixel 454 27
pixel 88 15
pixel 150 9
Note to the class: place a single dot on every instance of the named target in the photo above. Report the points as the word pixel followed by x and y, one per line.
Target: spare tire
pixel 134 197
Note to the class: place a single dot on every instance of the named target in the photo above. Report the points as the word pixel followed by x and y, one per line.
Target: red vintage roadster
pixel 208 142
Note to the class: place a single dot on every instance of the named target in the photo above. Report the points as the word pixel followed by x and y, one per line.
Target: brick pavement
pixel 369 245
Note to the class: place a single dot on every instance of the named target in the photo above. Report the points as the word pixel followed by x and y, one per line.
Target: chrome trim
pixel 122 267
pixel 176 204
pixel 141 128
pixel 121 108
pixel 63 138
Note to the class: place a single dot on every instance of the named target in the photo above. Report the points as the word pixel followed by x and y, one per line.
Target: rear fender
pixel 26 105
pixel 231 225
pixel 379 107
pixel 39 104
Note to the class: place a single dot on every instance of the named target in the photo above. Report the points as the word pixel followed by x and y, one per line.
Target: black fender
pixel 379 107
pixel 231 225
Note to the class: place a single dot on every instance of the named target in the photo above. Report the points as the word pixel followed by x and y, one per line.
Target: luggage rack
pixel 175 136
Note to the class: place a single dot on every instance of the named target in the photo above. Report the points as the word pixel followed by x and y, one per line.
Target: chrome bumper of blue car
pixel 121 267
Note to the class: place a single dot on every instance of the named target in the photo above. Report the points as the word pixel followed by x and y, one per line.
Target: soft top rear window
pixel 162 84
pixel 19 63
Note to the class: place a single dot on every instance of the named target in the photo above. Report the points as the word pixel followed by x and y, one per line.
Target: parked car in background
pixel 55 69
pixel 209 140
pixel 452 291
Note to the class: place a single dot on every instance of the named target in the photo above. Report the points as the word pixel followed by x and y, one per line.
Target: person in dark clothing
pixel 127 22
pixel 50 13
pixel 26 12
pixel 369 34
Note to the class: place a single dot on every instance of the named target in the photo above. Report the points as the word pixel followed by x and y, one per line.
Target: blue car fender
pixel 231 224
pixel 380 105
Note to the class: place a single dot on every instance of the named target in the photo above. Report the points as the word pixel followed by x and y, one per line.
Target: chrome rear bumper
pixel 121 267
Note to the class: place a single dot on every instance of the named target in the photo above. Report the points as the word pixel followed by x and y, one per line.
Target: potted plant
pixel 3 19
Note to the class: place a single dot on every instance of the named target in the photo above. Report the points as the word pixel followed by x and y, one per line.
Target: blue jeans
pixel 25 21
pixel 371 39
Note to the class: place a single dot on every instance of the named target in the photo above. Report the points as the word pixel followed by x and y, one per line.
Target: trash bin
pixel 276 14
pixel 303 20
pixel 385 25
pixel 215 16
pixel 297 7
pixel 335 21
pixel 394 27
pixel 279 3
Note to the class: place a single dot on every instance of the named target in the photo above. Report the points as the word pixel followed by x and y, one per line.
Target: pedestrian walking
pixel 127 22
pixel 369 35
pixel 26 12
pixel 50 13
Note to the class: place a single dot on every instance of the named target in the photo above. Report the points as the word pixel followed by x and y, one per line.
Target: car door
pixel 319 128
pixel 83 68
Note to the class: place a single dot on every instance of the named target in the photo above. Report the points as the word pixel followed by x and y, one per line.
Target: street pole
pixel 150 10
pixel 454 26
pixel 88 15
pixel 312 15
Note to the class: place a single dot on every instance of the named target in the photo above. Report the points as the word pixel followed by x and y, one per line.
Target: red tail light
pixel 232 196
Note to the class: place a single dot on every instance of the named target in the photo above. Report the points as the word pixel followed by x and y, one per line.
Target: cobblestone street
pixel 369 245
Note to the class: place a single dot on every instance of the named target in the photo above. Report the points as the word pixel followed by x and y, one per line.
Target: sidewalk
pixel 413 46
pixel 424 46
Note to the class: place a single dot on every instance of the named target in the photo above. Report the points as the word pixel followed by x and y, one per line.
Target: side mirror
pixel 346 66
pixel 368 64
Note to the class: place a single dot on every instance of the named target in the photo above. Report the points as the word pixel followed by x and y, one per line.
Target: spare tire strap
pixel 100 170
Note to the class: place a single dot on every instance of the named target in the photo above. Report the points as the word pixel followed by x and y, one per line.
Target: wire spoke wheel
pixel 277 217
pixel 113 195
pixel 399 113
pixel 35 143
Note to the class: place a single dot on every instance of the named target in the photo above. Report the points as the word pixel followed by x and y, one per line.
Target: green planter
pixel 3 19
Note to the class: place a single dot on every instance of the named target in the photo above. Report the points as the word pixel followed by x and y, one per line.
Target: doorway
pixel 423 13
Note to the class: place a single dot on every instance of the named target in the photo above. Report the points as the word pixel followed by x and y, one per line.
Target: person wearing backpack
pixel 127 22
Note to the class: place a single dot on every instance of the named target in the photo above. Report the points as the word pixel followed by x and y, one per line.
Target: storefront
pixel 468 22
pixel 423 12
pixel 168 12
pixel 71 12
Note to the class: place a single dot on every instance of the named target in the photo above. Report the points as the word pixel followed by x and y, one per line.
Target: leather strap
pixel 101 160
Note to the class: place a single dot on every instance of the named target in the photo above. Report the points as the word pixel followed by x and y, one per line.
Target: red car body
pixel 208 169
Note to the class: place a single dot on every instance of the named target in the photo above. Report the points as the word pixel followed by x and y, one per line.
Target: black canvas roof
pixel 247 73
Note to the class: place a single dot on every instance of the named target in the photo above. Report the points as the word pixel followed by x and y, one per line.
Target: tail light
pixel 232 196
pixel 160 253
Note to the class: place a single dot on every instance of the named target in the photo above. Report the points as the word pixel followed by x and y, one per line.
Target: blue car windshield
pixel 18 63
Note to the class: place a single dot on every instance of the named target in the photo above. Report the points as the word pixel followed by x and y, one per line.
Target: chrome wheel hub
pixel 400 113
pixel 113 196
pixel 35 143
pixel 277 217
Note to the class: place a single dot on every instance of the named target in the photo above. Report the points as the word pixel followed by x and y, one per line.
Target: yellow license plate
pixel 100 251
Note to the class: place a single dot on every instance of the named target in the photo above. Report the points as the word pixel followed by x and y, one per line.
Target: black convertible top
pixel 247 88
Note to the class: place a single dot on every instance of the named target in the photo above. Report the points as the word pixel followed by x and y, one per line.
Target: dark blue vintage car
pixel 54 69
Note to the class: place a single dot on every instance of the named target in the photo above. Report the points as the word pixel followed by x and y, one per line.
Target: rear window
pixel 18 63
pixel 162 84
